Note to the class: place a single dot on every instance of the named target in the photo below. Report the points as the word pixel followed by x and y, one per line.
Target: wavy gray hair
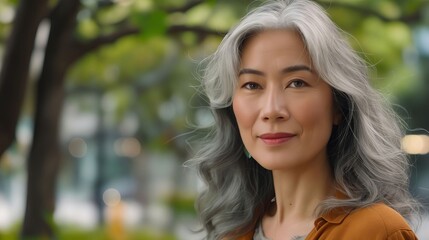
pixel 364 150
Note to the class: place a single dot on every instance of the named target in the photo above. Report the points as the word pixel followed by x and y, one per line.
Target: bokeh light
pixel 111 197
pixel 416 144
pixel 127 147
pixel 78 147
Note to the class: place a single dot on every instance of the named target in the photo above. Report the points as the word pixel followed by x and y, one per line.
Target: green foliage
pixel 87 29
pixel 381 43
pixel 10 234
pixel 72 233
pixel 183 204
pixel 409 6
pixel 151 23
pixel 211 2
pixel 119 63
pixel 6 14
pixel 112 15
pixel 12 2
pixel 164 4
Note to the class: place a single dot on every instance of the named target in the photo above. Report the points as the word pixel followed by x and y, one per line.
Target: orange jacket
pixel 376 222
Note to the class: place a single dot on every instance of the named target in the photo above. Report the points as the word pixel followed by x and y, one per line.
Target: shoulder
pixel 375 222
pixel 378 219
pixel 379 214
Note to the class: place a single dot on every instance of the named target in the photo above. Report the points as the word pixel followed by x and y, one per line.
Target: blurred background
pixel 98 102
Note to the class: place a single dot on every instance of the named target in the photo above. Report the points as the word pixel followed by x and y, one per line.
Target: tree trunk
pixel 45 154
pixel 15 66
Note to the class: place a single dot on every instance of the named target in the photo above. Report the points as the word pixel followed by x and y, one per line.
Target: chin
pixel 278 164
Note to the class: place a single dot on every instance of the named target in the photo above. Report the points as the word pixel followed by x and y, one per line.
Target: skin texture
pixel 285 114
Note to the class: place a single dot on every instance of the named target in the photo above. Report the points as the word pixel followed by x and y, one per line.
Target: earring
pixel 247 153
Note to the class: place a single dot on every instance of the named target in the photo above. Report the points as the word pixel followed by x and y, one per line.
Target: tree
pixel 63 49
pixel 13 76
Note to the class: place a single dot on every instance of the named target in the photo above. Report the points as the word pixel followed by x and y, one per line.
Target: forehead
pixel 267 44
pixel 275 42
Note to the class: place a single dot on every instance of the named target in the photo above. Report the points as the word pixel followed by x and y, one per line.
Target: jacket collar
pixel 335 215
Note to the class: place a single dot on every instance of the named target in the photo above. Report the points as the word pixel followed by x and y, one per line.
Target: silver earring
pixel 247 153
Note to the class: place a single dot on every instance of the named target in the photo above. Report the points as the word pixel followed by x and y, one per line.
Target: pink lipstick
pixel 276 138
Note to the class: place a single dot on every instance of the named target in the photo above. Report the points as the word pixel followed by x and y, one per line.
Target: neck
pixel 299 191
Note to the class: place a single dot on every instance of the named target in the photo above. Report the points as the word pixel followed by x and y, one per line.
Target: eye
pixel 252 86
pixel 298 83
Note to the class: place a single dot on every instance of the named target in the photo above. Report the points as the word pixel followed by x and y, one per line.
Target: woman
pixel 302 146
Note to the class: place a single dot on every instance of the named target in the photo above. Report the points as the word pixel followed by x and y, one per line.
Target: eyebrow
pixel 294 68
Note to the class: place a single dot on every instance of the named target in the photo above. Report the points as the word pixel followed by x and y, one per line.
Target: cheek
pixel 242 113
pixel 315 112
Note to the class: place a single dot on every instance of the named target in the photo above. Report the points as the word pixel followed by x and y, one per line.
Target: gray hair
pixel 364 150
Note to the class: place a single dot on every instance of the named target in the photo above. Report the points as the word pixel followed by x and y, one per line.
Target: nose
pixel 274 106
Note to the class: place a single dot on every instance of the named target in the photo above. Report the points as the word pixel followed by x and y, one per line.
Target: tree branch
pixel 185 7
pixel 201 31
pixel 411 18
pixel 81 49
pixel 84 48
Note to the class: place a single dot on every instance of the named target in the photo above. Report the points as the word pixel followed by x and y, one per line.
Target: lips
pixel 276 138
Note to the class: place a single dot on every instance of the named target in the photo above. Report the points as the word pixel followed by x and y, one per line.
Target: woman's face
pixel 284 111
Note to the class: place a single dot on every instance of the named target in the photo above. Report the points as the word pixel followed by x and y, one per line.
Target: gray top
pixel 259 234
